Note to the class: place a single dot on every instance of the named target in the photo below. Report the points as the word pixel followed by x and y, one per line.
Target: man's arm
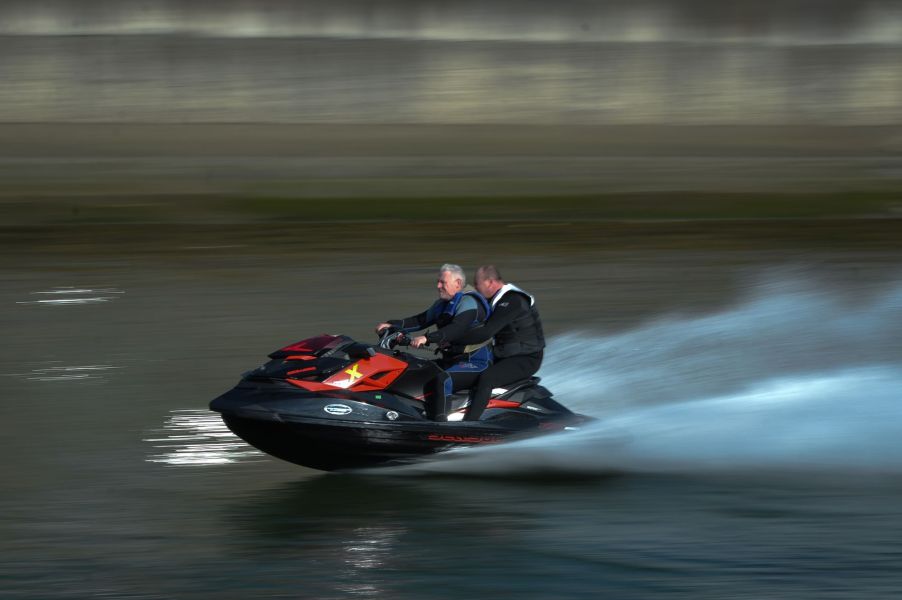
pixel 458 325
pixel 453 330
pixel 419 321
pixel 504 314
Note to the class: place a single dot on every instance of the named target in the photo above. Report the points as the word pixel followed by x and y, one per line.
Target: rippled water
pixel 197 436
pixel 746 447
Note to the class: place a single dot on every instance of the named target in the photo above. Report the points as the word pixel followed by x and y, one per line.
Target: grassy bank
pixel 187 209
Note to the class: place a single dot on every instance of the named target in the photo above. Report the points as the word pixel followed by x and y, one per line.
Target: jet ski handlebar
pixel 392 337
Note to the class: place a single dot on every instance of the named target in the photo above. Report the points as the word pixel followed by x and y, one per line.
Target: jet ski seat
pixel 516 385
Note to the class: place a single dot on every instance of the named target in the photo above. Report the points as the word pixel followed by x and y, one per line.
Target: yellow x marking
pixel 353 372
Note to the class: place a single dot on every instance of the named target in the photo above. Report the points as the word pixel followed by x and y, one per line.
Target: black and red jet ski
pixel 329 403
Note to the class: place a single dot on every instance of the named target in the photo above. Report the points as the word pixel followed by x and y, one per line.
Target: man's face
pixel 448 285
pixel 485 287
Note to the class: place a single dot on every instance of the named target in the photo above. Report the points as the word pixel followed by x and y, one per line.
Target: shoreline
pixel 294 139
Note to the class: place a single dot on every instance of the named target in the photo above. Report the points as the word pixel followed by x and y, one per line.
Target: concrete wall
pixel 690 62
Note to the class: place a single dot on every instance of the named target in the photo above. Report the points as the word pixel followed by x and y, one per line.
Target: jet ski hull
pixel 329 403
pixel 332 445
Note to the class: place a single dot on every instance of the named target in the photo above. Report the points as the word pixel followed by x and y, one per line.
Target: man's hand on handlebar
pixel 391 337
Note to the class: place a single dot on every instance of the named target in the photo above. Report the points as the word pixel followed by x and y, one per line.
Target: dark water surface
pixel 748 397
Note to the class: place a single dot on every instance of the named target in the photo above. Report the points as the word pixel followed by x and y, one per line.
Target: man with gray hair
pixel 458 309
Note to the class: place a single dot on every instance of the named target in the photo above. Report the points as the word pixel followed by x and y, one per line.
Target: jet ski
pixel 330 402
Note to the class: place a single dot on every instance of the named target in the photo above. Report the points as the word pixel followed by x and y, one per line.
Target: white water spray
pixel 794 379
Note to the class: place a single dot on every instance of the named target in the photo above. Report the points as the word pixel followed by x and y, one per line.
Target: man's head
pixel 451 279
pixel 488 280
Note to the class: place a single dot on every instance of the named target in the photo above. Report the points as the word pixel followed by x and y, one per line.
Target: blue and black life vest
pixel 451 308
pixel 452 305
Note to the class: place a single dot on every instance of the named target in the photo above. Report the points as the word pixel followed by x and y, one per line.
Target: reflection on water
pixel 62 372
pixel 67 373
pixel 65 296
pixel 366 550
pixel 197 437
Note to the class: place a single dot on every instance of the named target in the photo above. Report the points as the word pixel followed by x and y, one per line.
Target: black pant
pixel 504 371
pixel 458 372
pixel 438 405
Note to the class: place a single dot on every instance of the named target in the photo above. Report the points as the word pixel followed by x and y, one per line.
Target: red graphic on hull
pixel 366 375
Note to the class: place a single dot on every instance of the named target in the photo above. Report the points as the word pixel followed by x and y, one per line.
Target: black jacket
pixel 515 325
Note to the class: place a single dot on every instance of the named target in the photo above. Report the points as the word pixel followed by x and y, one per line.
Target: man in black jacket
pixel 517 329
